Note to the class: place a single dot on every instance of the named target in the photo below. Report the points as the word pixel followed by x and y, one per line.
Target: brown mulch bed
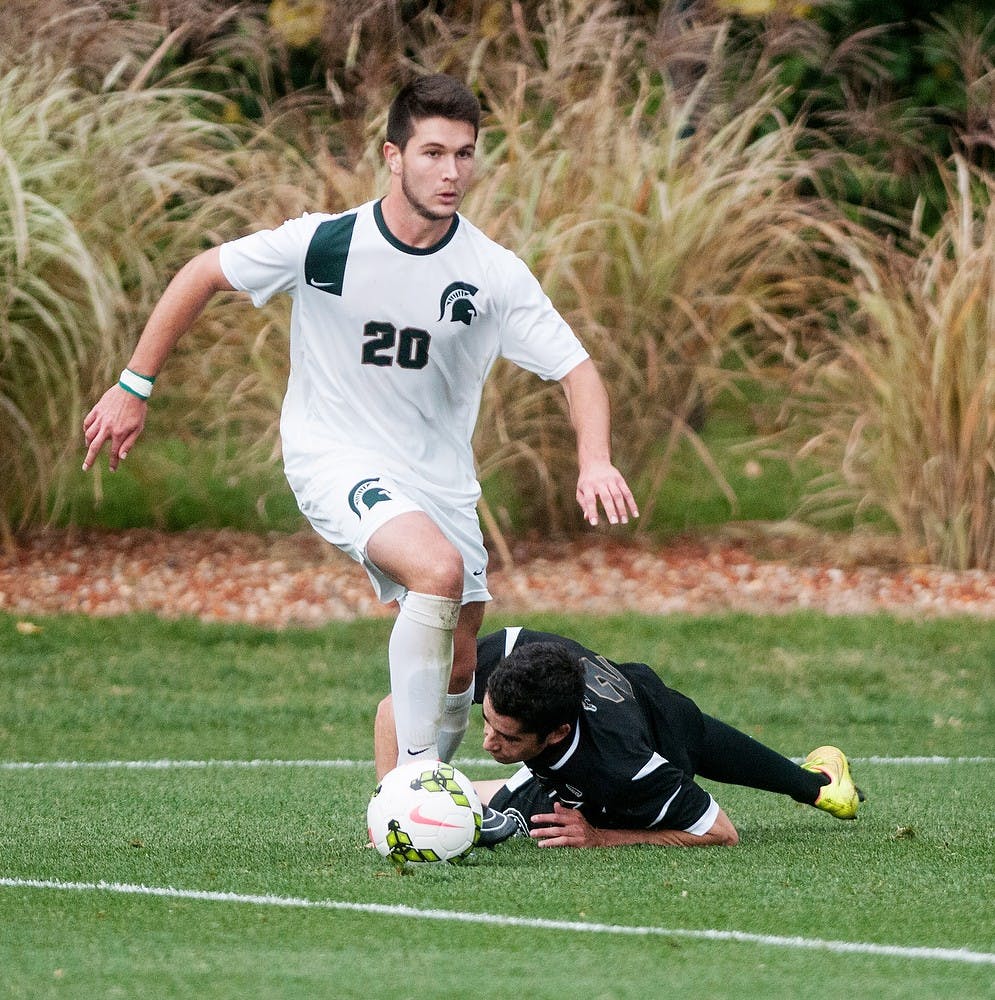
pixel 299 580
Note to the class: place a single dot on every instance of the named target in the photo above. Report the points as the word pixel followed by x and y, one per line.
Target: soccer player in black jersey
pixel 611 753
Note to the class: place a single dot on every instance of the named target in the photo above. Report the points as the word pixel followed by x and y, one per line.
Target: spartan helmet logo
pixel 366 494
pixel 459 297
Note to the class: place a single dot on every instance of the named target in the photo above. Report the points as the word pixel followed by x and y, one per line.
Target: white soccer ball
pixel 424 812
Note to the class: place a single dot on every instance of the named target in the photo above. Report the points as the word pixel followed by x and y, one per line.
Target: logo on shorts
pixel 458 297
pixel 365 495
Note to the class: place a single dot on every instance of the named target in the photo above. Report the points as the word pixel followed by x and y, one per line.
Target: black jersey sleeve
pixel 658 797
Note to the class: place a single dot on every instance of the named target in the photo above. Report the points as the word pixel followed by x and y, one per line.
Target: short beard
pixel 423 210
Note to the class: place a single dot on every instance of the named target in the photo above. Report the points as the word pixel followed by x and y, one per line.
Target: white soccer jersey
pixel 390 345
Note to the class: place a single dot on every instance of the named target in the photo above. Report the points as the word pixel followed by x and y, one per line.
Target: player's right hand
pixel 118 417
pixel 564 827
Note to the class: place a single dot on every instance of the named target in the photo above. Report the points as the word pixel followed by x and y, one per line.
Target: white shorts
pixel 349 496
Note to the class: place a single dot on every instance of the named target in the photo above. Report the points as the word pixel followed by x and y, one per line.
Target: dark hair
pixel 540 685
pixel 436 96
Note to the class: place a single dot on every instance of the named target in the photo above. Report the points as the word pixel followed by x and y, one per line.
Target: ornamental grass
pixel 100 195
pixel 698 237
pixel 900 405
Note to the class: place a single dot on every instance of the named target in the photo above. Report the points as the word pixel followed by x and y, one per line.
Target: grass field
pixel 182 814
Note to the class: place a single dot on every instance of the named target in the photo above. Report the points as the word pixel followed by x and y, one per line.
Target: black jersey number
pixel 384 346
pixel 605 681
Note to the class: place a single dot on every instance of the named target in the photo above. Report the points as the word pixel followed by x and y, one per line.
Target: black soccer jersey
pixel 627 764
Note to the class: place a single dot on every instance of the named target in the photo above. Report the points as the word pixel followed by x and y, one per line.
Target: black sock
pixel 732 757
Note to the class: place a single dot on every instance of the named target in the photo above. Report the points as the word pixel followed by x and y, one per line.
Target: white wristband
pixel 137 385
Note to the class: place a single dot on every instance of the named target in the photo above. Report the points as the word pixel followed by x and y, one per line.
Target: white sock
pixel 455 720
pixel 420 653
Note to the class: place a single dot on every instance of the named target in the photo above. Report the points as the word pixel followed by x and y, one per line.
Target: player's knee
pixel 442 573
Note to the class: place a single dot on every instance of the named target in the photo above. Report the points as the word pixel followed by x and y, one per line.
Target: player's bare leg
pixel 486 790
pixel 456 716
pixel 384 738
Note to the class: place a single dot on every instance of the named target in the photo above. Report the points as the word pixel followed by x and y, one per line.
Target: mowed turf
pixel 208 875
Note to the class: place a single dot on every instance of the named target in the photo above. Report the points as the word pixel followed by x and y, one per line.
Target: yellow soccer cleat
pixel 840 797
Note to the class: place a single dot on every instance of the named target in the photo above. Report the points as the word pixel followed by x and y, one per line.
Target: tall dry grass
pixel 102 193
pixel 674 229
pixel 901 403
pixel 661 208
pixel 640 164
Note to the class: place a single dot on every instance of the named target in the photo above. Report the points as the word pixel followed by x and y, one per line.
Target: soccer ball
pixel 424 812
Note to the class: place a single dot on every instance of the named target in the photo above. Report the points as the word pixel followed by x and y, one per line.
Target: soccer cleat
pixel 497 827
pixel 840 797
pixel 523 825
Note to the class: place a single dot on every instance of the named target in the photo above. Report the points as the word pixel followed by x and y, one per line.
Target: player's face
pixel 506 741
pixel 436 166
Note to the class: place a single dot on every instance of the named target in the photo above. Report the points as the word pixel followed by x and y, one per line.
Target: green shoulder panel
pixel 324 265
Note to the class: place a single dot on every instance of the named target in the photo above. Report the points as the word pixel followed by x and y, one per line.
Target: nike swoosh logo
pixel 322 284
pixel 421 750
pixel 417 817
pixel 478 572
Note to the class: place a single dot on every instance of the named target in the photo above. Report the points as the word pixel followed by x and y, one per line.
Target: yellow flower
pixel 493 21
pixel 758 8
pixel 298 22
pixel 231 113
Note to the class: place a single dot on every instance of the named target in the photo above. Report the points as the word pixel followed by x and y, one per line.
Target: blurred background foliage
pixel 769 221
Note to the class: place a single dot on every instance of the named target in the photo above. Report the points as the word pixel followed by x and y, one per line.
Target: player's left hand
pixel 564 828
pixel 117 419
pixel 603 482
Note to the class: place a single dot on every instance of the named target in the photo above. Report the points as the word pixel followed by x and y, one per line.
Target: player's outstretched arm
pixel 598 480
pixel 568 828
pixel 119 415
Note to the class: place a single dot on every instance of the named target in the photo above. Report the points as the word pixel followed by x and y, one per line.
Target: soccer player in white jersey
pixel 400 307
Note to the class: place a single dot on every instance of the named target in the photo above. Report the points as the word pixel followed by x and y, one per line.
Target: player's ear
pixel 392 154
pixel 559 734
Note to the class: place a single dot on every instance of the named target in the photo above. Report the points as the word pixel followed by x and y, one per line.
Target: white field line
pixel 847 947
pixel 167 765
pixel 959 955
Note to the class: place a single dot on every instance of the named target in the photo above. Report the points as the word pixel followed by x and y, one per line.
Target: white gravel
pixel 299 580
